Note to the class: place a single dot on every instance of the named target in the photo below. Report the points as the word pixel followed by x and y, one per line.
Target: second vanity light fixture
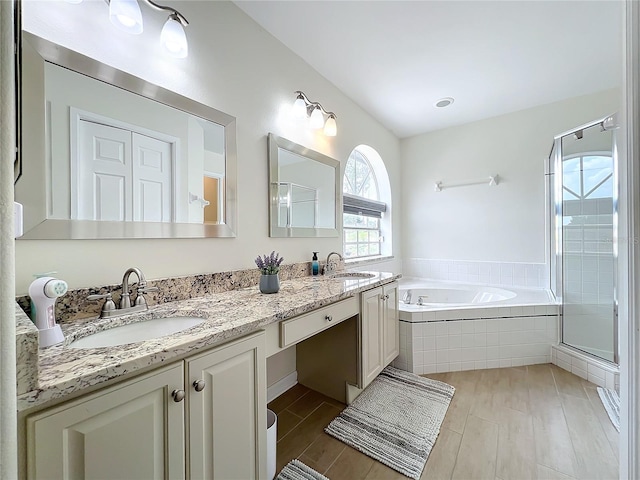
pixel 126 16
pixel 303 108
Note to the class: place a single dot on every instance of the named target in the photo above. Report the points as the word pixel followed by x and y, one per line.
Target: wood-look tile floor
pixel 534 422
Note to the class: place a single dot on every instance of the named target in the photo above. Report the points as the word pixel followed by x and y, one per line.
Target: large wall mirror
pixel 304 189
pixel 109 155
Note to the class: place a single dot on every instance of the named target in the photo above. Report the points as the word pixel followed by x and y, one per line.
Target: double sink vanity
pixel 177 390
pixel 191 402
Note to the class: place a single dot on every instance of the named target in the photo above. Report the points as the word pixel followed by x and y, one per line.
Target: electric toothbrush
pixel 44 292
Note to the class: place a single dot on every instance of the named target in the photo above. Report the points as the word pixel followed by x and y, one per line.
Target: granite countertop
pixel 63 370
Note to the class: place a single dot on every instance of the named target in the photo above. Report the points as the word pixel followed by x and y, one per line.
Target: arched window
pixel 363 205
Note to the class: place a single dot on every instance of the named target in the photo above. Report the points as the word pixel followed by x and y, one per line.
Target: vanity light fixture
pixel 303 108
pixel 126 16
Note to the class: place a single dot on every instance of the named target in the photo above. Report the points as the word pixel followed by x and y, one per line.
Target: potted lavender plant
pixel 269 266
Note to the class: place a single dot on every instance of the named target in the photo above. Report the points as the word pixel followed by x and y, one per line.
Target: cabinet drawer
pixel 296 329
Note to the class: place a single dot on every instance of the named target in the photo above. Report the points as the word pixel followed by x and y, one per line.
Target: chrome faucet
pixel 109 308
pixel 328 268
pixel 125 298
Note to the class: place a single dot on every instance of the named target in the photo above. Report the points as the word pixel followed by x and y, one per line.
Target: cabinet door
pixel 371 315
pixel 131 431
pixel 391 323
pixel 227 418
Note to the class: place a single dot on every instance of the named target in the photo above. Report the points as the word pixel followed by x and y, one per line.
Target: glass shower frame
pixel 554 181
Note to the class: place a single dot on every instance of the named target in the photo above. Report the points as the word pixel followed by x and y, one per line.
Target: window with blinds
pixel 362 209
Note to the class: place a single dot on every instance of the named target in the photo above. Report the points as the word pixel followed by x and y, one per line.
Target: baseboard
pixel 352 392
pixel 281 386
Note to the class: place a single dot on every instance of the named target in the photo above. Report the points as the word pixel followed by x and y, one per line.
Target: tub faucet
pixel 328 268
pixel 406 298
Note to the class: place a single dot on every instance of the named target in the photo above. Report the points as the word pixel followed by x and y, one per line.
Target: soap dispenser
pixel 315 265
pixel 44 292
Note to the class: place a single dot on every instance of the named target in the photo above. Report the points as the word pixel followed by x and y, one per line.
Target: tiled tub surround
pixel 592 369
pixel 508 333
pixel 63 370
pixel 497 274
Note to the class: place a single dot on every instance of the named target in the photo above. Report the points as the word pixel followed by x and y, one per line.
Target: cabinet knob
pixel 328 318
pixel 178 395
pixel 199 385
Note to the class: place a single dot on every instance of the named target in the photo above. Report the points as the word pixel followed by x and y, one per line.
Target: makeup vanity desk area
pixel 193 404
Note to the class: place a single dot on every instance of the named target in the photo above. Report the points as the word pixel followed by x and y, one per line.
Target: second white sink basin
pixel 137 332
pixel 352 275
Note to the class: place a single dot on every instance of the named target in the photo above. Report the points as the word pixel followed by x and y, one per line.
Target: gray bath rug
pixel 611 401
pixel 296 470
pixel 395 420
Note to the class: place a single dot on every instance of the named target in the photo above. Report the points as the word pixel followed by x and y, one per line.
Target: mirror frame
pixel 275 143
pixel 89 229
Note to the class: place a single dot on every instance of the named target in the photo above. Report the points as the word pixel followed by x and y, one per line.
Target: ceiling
pixel 397 58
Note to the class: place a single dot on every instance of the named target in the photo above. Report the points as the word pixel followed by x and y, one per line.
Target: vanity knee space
pixel 342 347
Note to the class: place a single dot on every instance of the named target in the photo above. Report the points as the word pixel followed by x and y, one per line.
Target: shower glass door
pixel 587 223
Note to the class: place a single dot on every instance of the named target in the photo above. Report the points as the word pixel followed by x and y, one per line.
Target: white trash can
pixel 272 438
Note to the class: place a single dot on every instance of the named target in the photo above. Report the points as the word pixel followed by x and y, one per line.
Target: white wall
pixel 481 223
pixel 236 67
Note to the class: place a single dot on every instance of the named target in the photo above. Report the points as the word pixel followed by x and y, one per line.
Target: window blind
pixel 362 206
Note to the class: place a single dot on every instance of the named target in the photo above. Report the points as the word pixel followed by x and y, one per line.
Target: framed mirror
pixel 108 155
pixel 304 188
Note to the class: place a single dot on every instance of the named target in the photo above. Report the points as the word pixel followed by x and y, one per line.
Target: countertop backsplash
pixel 75 306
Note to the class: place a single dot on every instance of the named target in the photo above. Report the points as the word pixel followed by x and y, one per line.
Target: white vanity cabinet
pixel 227 411
pixel 132 430
pixel 379 330
pixel 137 429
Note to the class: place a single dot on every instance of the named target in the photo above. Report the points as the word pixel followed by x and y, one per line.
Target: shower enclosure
pixel 582 181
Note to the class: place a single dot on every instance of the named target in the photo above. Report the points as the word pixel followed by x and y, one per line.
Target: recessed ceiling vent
pixel 444 102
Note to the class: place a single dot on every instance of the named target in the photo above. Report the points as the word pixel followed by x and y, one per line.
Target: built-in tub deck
pixel 499 327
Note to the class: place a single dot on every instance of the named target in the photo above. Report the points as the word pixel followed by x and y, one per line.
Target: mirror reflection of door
pixel 298 205
pixel 213 188
pixel 121 175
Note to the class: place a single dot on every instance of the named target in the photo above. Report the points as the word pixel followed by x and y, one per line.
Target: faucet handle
pixel 146 289
pixel 108 306
pixel 140 300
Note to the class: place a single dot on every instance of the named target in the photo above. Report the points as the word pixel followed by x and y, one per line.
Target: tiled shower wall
pixel 533 275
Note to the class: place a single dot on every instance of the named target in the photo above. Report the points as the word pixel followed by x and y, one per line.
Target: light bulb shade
pixel 317 120
pixel 173 38
pixel 299 109
pixel 330 127
pixel 126 15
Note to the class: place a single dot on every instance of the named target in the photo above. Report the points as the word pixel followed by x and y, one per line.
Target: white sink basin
pixel 352 275
pixel 137 332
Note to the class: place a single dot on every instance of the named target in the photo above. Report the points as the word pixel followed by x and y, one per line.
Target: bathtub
pixel 452 295
pixel 468 327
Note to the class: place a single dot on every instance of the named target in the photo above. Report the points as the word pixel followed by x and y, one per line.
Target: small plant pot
pixel 270 283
